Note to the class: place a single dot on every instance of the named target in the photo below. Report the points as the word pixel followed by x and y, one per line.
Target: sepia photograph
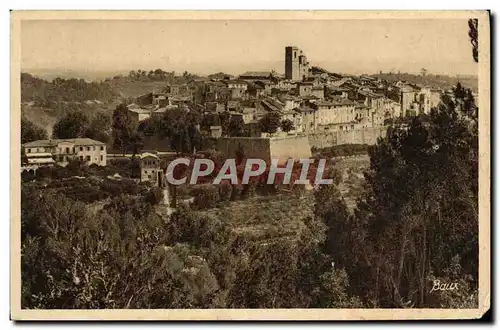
pixel 232 165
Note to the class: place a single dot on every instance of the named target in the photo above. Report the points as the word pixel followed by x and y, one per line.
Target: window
pixel 61 158
pixel 67 150
pixel 88 158
pixel 29 150
pixel 81 158
pixel 102 147
pixel 149 176
pixel 95 158
pixel 88 148
pixel 81 148
pixel 102 158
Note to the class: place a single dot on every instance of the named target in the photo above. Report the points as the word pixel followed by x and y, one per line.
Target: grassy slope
pixel 265 218
pixel 278 216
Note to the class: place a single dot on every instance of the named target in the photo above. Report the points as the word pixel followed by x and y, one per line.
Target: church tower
pixel 292 66
pixel 296 65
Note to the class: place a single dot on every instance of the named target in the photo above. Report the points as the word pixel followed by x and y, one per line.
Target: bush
pixel 205 196
pixel 77 167
pixel 86 194
pixel 116 188
pixel 44 172
pixel 121 166
pixel 154 196
pixel 27 176
pixel 236 192
pixel 225 191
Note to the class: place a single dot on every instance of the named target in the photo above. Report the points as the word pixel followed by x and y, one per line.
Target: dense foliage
pixel 76 124
pixel 31 132
pixel 180 126
pixel 270 122
pixel 45 93
pixel 418 220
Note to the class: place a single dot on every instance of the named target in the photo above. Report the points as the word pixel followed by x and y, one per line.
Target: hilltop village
pixel 103 226
pixel 311 98
pixel 266 114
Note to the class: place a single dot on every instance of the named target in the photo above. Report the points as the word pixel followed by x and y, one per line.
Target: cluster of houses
pixel 311 98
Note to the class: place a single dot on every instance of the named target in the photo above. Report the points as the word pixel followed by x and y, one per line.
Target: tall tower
pixel 292 63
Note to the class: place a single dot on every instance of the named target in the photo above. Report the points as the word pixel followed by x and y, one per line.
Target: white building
pixel 64 151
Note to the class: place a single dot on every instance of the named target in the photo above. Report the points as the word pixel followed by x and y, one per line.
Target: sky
pixel 441 46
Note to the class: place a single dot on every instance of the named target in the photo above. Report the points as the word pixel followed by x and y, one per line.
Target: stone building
pixel 150 169
pixel 334 112
pixel 428 99
pixel 296 64
pixel 305 89
pixel 138 114
pixel 319 92
pixel 407 99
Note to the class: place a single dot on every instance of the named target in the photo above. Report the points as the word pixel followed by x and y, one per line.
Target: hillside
pixel 279 216
pixel 127 88
pixel 46 93
pixel 45 117
pixel 43 102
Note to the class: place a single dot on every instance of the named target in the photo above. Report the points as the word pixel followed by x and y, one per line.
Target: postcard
pixel 250 165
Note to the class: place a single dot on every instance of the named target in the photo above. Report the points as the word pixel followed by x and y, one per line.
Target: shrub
pixel 116 188
pixel 87 194
pixel 236 192
pixel 154 196
pixel 77 167
pixel 225 191
pixel 27 176
pixel 44 172
pixel 206 196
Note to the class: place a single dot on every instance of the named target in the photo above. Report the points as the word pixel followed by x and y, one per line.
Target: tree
pixel 473 35
pixel 181 127
pixel 99 127
pixel 72 125
pixel 136 143
pixel 420 209
pixel 270 122
pixel 123 128
pixel 24 158
pixel 31 132
pixel 287 125
pixel 74 259
pixel 236 126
